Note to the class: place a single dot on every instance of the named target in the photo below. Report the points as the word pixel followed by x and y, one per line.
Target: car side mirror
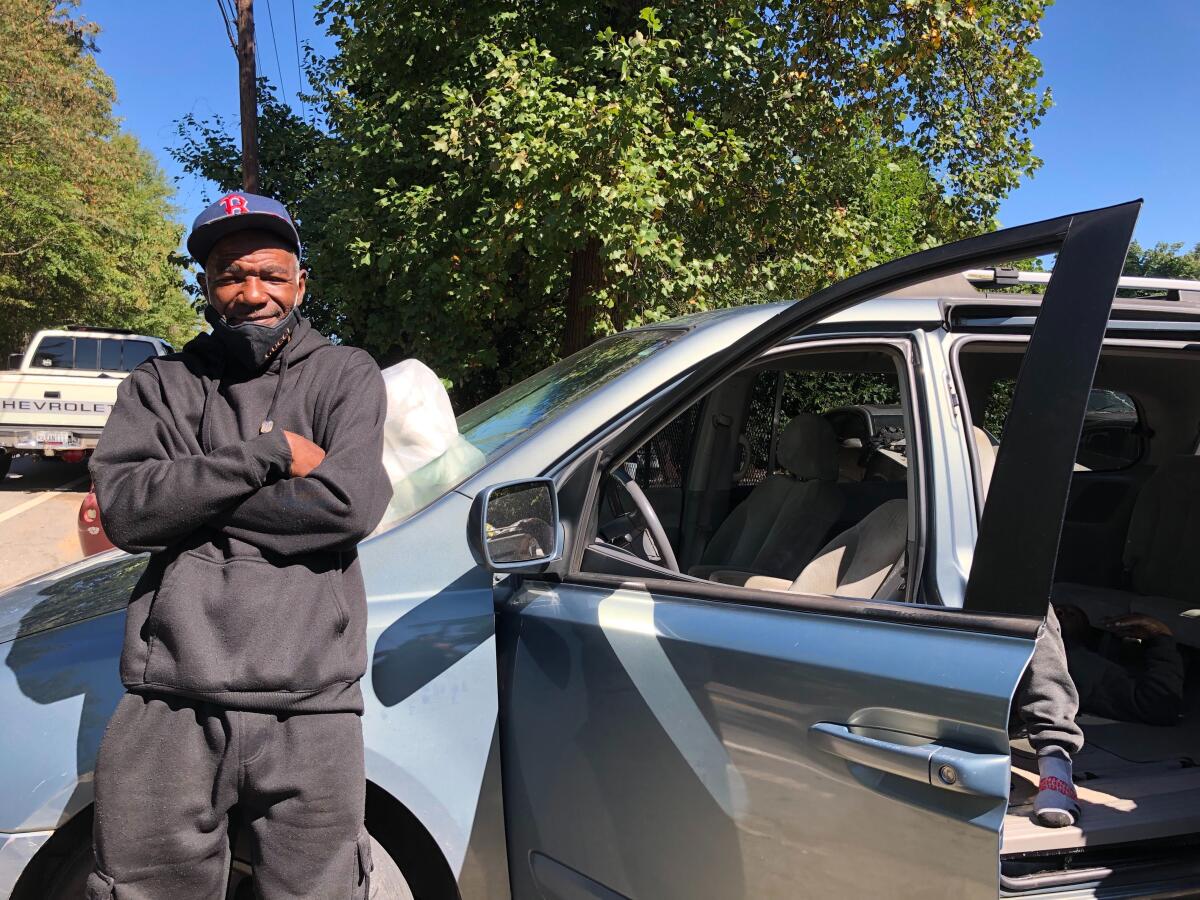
pixel 514 527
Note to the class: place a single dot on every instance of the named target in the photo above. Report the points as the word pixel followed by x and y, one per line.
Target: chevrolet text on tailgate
pixel 58 396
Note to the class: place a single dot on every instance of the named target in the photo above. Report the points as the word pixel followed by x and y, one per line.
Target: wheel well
pixel 407 841
pixel 389 821
pixel 50 858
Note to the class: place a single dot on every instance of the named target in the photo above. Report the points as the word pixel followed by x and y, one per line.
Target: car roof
pixel 98 333
pixel 931 302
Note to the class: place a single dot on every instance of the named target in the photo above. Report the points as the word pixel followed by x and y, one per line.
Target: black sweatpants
pixel 1047 701
pixel 169 771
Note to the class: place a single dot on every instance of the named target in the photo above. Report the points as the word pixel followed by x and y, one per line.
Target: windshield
pixel 491 428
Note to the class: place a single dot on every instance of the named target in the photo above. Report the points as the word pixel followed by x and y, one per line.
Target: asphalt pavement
pixel 39 502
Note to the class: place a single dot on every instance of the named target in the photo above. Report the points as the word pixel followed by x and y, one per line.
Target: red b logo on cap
pixel 235 205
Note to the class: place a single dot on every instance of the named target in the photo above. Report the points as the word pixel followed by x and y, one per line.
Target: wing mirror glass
pixel 515 526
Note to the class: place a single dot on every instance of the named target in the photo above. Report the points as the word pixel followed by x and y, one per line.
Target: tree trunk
pixel 586 275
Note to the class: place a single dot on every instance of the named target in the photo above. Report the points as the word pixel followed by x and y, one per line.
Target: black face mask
pixel 252 346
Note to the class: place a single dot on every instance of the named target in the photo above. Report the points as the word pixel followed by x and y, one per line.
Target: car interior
pixel 792 476
pixel 1132 516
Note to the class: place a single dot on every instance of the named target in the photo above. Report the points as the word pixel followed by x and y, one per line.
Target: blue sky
pixel 1124 76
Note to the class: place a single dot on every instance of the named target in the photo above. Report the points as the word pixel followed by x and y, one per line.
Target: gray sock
pixel 1056 805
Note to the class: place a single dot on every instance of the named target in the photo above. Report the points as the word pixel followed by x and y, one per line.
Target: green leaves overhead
pixel 516 174
pixel 86 230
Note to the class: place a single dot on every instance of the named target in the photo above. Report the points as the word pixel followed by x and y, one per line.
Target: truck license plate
pixel 57 438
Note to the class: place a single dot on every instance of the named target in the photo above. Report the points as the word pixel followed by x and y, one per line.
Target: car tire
pixel 5 462
pixel 69 879
pixel 387 881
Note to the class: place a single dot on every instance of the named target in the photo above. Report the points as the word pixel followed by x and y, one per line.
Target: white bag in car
pixel 423 453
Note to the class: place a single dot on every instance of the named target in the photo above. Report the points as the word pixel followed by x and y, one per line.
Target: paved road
pixel 39 501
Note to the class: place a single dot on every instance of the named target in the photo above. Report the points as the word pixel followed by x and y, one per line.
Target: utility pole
pixel 248 88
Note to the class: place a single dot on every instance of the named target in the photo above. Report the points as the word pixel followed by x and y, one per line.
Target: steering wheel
pixel 647 538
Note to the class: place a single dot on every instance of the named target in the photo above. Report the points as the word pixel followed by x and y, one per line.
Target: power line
pixel 278 67
pixel 299 75
pixel 226 15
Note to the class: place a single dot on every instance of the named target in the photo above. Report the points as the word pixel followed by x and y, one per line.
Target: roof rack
pixel 1003 276
pixel 99 328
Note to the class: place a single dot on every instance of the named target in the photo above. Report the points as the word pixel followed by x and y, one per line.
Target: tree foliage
pixel 519 177
pixel 1163 260
pixel 86 233
pixel 502 181
pixel 296 165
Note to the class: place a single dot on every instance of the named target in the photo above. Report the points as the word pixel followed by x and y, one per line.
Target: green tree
pixel 297 165
pixel 520 177
pixel 491 186
pixel 1163 260
pixel 86 229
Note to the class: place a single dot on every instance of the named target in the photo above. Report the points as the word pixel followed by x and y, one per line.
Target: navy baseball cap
pixel 238 212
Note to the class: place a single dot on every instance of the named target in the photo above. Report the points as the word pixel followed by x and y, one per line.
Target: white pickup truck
pixel 57 395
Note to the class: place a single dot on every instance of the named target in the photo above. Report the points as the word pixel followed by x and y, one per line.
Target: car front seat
pixel 779 527
pixel 865 561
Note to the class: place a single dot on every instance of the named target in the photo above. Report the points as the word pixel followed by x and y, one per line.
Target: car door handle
pixel 962 771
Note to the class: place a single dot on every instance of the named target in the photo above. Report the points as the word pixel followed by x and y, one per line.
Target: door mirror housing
pixel 514 527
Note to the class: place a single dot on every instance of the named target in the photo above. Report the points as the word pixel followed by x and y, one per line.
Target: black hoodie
pixel 253 598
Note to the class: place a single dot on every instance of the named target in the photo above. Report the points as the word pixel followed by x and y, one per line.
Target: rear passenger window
pixel 1112 437
pixel 86 352
pixel 135 353
pixel 754 445
pixel 663 460
pixel 110 354
pixel 845 398
pixel 55 353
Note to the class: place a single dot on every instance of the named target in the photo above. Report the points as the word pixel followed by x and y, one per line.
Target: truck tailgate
pixel 56 401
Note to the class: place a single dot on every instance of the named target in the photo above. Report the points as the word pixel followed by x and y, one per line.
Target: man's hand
pixel 306 455
pixel 1138 626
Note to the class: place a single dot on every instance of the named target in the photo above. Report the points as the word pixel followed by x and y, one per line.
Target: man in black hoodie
pixel 249 466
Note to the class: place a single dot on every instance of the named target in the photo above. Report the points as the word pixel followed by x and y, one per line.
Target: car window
pixel 663 460
pixel 55 353
pixel 510 416
pixel 496 425
pixel 86 352
pixel 110 354
pixel 134 353
pixel 777 397
pixel 1112 437
pixel 828 516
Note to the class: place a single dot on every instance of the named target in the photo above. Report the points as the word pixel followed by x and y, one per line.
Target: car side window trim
pixel 618 447
pixel 1093 245
pixel 915 614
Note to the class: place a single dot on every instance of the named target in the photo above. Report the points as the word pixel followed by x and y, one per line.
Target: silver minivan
pixel 717 608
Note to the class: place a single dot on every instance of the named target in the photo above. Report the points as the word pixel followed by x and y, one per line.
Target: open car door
pixel 662 738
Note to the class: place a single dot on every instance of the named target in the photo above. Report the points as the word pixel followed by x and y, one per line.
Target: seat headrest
pixel 808 448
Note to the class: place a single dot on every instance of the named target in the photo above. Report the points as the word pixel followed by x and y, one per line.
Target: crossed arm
pixel 154 490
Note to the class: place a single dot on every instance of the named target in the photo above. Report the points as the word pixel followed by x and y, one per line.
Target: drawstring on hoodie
pixel 269 422
pixel 214 387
